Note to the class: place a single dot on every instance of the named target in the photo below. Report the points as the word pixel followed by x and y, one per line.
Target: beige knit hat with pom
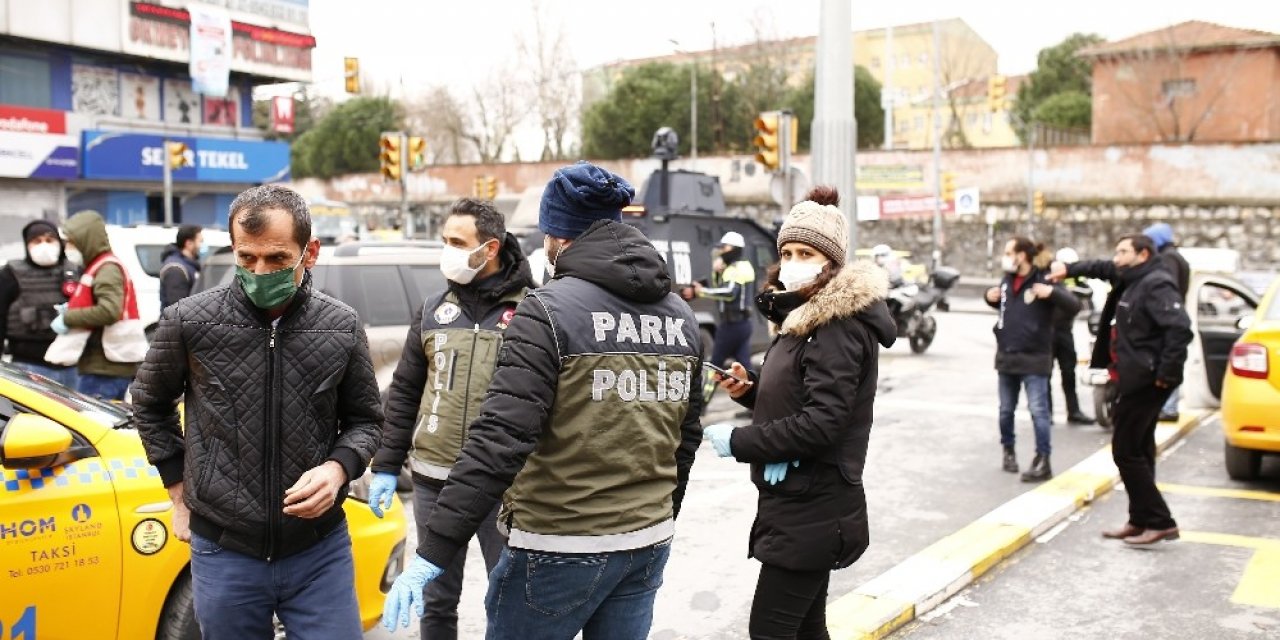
pixel 821 226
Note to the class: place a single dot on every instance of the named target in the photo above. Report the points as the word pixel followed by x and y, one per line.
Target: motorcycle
pixel 910 305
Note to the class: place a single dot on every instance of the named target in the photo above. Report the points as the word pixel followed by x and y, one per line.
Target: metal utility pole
pixel 937 149
pixel 404 188
pixel 887 96
pixel 786 129
pixel 168 185
pixel 834 139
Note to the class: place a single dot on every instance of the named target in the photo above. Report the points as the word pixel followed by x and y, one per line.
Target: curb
pixel 887 602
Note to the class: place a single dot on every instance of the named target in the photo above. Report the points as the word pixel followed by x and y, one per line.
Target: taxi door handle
pixel 154 507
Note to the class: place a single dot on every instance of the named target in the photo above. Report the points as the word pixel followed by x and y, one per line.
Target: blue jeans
pixel 65 376
pixel 1037 401
pixel 553 596
pixel 313 592
pixel 103 387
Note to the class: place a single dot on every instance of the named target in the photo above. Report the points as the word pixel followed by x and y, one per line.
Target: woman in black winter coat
pixel 811 417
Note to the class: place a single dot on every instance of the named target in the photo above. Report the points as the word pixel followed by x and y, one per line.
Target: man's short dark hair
pixel 490 224
pixel 248 209
pixel 188 232
pixel 1140 243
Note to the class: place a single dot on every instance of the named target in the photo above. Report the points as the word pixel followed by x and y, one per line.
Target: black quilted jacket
pixel 263 406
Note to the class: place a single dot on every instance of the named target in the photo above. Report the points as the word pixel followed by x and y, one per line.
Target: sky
pixel 408 45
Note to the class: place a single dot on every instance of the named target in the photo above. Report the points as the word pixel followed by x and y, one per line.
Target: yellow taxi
pixel 86 544
pixel 1251 391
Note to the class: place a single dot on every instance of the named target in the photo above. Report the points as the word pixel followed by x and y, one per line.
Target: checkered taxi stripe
pixel 76 473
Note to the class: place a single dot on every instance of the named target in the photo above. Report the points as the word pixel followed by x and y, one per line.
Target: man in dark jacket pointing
pixel 282 409
pixel 1146 346
pixel 587 433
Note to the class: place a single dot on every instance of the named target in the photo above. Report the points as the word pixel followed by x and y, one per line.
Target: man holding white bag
pixel 98 328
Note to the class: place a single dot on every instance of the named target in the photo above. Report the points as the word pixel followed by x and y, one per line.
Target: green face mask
pixel 269 290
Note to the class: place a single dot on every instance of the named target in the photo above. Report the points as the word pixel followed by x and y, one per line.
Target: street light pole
pixel 937 151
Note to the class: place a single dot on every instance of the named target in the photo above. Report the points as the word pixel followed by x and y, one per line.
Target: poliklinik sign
pixel 110 155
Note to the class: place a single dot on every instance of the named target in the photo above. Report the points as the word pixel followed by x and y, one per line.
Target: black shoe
pixel 1039 470
pixel 1168 416
pixel 1010 460
pixel 1076 417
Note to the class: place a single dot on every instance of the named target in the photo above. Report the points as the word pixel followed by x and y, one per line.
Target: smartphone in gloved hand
pixel 723 372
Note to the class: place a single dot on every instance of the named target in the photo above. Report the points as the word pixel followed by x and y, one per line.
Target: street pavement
pixel 933 466
pixel 1221 580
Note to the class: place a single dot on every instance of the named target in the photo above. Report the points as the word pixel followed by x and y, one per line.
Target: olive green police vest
pixel 604 470
pixel 461 355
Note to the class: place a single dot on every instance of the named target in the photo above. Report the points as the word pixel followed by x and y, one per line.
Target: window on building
pixel 1178 88
pixel 25 82
pixel 875 62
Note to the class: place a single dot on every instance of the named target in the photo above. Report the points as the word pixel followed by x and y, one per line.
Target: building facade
pixel 1190 82
pixel 91 89
pixel 901 58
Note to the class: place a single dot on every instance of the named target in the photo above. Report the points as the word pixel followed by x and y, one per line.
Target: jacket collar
pixel 854 289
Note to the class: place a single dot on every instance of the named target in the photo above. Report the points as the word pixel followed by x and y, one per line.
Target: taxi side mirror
pixel 32 442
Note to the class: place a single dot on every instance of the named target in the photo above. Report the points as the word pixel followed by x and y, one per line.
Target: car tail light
pixel 1249 360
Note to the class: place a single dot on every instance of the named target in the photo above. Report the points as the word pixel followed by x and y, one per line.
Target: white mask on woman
pixel 796 275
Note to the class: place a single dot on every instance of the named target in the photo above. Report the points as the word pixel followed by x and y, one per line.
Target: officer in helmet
pixel 733 287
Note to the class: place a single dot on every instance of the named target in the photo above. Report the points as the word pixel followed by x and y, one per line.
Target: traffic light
pixel 1037 202
pixel 477 187
pixel 177 152
pixel 491 188
pixel 392 155
pixel 995 93
pixel 948 186
pixel 351 72
pixel 766 140
pixel 417 152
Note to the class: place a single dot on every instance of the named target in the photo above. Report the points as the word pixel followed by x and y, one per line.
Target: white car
pixel 141 248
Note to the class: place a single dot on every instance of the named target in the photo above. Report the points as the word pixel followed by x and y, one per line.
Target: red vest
pixel 82 297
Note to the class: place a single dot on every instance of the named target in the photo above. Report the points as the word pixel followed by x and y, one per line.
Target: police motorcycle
pixel 911 303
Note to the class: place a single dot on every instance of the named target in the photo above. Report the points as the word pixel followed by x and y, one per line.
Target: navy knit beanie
pixel 578 196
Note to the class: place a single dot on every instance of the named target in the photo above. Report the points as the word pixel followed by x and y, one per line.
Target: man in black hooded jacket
pixel 30 289
pixel 1143 338
pixel 587 433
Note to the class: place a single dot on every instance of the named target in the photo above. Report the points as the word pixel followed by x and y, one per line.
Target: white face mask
pixel 455 264
pixel 75 257
pixel 45 254
pixel 1007 263
pixel 796 275
pixel 551 262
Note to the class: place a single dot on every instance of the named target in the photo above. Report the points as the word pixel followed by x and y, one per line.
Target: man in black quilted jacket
pixel 282 409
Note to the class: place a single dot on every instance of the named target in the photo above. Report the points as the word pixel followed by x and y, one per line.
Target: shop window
pixel 25 82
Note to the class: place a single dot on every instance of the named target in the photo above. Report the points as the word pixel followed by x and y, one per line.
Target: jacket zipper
pixel 271 437
pixel 466 399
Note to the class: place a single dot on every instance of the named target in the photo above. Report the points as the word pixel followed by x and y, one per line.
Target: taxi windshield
pixel 104 413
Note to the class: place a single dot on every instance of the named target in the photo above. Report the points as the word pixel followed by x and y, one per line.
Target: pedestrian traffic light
pixel 1037 202
pixel 490 188
pixel 995 93
pixel 416 149
pixel 351 73
pixel 766 140
pixel 948 186
pixel 392 155
pixel 177 152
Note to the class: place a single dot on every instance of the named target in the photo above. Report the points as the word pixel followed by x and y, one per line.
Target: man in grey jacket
pixel 282 409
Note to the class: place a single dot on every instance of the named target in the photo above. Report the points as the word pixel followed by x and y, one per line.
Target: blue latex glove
pixel 719 434
pixel 58 325
pixel 406 594
pixel 382 490
pixel 776 472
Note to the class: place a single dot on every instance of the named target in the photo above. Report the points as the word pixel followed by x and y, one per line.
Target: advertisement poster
pixel 210 50
pixel 113 155
pixel 222 111
pixel 181 104
pixel 34 144
pixel 95 90
pixel 282 114
pixel 139 96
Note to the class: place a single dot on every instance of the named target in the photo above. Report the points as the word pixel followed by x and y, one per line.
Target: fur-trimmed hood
pixel 856 290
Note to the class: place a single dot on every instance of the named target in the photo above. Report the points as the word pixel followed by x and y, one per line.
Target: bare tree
pixel 496 112
pixel 554 79
pixel 962 62
pixel 443 121
pixel 1171 88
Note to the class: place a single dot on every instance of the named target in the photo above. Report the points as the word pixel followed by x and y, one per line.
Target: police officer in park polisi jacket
pixel 587 433
pixel 442 376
